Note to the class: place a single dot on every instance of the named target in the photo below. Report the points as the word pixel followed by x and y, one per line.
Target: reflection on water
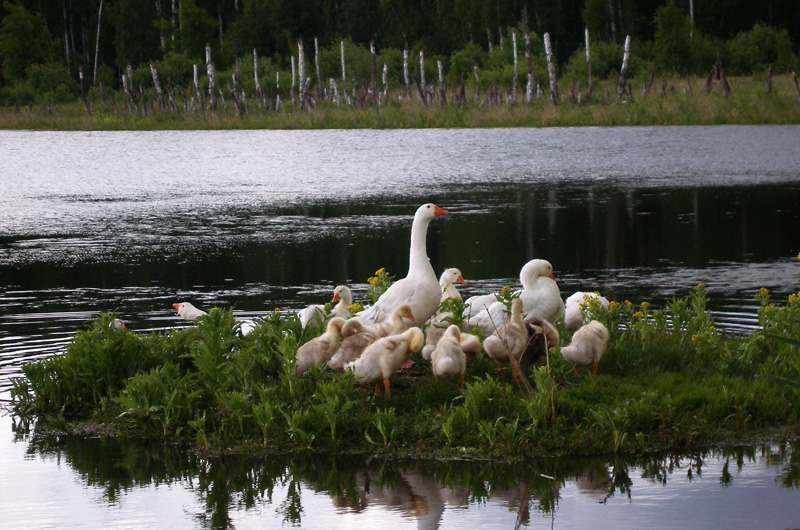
pixel 311 490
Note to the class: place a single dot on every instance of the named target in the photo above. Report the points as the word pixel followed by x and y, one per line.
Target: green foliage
pixel 761 47
pixel 378 284
pixel 673 47
pixel 24 41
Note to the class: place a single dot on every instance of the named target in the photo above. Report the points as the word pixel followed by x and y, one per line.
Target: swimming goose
pixel 188 311
pixel 420 288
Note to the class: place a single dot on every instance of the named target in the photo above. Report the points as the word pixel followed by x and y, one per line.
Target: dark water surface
pixel 134 221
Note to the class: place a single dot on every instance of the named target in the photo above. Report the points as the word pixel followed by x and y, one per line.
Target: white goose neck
pixel 418 253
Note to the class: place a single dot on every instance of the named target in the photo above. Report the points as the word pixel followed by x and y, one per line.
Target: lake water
pixel 134 221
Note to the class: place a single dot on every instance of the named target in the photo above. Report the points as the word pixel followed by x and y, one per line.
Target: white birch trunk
pixel 588 64
pixel 159 93
pixel 291 88
pixel 405 74
pixel 516 69
pixel 442 87
pixel 691 18
pixel 489 38
pixel 196 80
pixel 335 92
pixel 255 75
pixel 422 71
pixel 623 72
pixel 551 69
pixel 301 71
pixel 277 90
pixel 344 75
pixel 97 40
pixel 316 65
pixel 529 64
pixel 385 80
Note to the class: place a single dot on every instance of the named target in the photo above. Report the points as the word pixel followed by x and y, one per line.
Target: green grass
pixel 747 104
pixel 669 380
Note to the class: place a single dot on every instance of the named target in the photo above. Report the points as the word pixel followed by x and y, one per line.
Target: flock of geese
pixel 377 342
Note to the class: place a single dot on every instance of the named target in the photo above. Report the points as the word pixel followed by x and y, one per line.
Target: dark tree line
pixel 104 36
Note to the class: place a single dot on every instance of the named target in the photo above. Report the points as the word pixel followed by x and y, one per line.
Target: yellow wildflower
pixel 638 314
pixel 354 307
pixel 694 338
pixel 380 271
pixel 764 291
pixel 277 309
pixel 628 302
pixel 613 304
pixel 372 279
pixel 798 255
pixel 505 289
pixel 645 306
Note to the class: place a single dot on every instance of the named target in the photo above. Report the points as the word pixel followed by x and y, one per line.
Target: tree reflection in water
pixel 420 490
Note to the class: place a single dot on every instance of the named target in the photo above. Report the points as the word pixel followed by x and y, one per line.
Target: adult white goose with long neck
pixel 420 288
pixel 540 297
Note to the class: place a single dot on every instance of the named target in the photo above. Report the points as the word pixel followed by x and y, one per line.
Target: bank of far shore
pixel 670 101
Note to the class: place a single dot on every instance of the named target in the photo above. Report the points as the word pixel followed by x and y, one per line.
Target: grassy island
pixel 669 380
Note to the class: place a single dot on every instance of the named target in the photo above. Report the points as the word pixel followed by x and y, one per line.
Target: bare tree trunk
pixel 405 73
pixel 691 18
pixel 442 85
pixel 259 95
pixel 161 104
pixel 422 70
pixel 316 66
pixel 291 89
pixel 212 80
pixel 197 87
pixel 344 76
pixel 277 90
pixel 385 80
pixel 590 88
pixel 421 93
pixel 516 68
pixel 723 83
pixel 551 69
pixel 97 40
pixel 624 70
pixel 529 64
pixel 301 72
pixel 373 87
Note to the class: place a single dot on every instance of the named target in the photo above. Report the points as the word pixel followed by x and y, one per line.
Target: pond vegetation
pixel 669 380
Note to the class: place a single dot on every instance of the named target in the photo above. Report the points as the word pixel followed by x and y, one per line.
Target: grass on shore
pixel 669 380
pixel 669 102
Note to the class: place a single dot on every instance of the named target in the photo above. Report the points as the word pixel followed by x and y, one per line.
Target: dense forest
pixel 47 46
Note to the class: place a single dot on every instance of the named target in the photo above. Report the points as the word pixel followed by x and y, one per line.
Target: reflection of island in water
pixel 422 491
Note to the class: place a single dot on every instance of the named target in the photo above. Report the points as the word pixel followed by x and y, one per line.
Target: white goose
pixel 573 315
pixel 191 313
pixel 188 311
pixel 540 297
pixel 509 339
pixel 420 288
pixel 439 322
pixel 312 315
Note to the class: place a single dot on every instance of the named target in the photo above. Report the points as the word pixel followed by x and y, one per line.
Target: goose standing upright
pixel 448 357
pixel 420 288
pixel 540 297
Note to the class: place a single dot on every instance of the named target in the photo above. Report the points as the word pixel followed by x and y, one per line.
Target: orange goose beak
pixel 335 297
pixel 438 211
pixel 176 306
pixel 460 279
